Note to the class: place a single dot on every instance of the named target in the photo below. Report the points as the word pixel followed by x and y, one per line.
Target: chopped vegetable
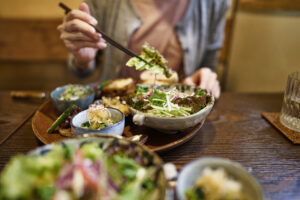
pixel 98 117
pixel 101 85
pixel 156 62
pixel 60 119
pixel 215 184
pixel 74 92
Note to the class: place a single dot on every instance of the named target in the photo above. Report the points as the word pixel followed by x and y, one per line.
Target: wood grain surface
pixel 234 130
pixel 31 39
pixel 269 5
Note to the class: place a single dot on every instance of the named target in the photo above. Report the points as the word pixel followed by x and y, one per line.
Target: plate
pixel 157 141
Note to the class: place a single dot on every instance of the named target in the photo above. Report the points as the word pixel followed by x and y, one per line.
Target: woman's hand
pixel 80 38
pixel 205 79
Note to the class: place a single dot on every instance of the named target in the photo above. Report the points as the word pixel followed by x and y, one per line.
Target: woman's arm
pixel 81 39
pixel 206 76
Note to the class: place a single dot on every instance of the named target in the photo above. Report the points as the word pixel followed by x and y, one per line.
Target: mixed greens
pixel 98 117
pixel 105 170
pixel 156 62
pixel 74 92
pixel 168 101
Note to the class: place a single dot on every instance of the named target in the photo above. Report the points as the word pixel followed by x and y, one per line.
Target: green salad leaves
pixel 156 62
pixel 168 102
pixel 91 171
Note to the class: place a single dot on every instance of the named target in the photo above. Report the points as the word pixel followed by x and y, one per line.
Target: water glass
pixel 290 111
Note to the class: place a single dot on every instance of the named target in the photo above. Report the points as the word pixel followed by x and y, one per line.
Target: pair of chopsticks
pixel 107 38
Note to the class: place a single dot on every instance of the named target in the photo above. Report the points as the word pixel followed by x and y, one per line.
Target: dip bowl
pixel 115 129
pixel 62 105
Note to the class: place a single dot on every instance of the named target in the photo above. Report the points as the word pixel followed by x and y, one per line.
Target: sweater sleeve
pixel 216 33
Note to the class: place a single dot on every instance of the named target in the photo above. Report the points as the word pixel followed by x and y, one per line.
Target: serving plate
pixel 157 141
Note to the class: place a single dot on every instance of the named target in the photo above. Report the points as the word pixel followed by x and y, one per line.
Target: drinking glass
pixel 290 111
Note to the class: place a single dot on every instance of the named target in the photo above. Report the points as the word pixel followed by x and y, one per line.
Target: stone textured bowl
pixel 105 140
pixel 172 124
pixel 62 105
pixel 115 129
pixel 191 172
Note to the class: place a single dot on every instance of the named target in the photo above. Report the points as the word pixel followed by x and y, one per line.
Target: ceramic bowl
pixel 172 124
pixel 115 129
pixel 62 105
pixel 105 140
pixel 191 172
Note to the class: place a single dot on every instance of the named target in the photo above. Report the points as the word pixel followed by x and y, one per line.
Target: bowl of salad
pixel 98 119
pixel 80 95
pixel 169 108
pixel 217 179
pixel 89 167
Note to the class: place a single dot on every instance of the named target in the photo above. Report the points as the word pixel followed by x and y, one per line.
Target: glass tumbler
pixel 290 111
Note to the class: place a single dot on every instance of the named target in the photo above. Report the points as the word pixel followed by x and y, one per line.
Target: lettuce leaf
pixel 156 62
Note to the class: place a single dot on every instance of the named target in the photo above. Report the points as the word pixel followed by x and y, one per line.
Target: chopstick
pixel 107 38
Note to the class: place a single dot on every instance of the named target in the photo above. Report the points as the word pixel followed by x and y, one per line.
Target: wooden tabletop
pixel 234 130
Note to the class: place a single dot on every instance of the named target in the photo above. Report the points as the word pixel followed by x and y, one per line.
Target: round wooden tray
pixel 157 141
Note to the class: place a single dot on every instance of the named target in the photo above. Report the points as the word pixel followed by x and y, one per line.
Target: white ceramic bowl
pixel 172 124
pixel 115 129
pixel 191 172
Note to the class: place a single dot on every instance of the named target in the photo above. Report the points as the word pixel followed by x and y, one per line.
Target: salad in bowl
pixel 90 167
pixel 169 108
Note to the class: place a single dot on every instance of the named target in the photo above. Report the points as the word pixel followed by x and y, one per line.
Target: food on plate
pixel 156 62
pixel 75 92
pixel 149 77
pixel 98 117
pixel 89 170
pixel 215 184
pixel 63 122
pixel 117 103
pixel 118 87
pixel 166 101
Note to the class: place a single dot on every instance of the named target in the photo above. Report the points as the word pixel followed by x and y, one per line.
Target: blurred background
pixel 261 46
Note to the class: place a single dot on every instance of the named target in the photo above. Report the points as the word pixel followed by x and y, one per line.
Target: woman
pixel 188 33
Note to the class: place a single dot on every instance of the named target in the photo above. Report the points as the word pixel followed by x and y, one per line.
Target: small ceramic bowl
pixel 115 129
pixel 62 105
pixel 191 172
pixel 172 124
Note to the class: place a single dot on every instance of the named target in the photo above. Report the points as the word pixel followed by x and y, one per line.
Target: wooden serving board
pixel 157 141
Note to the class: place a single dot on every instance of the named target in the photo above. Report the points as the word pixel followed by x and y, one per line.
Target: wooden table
pixel 234 130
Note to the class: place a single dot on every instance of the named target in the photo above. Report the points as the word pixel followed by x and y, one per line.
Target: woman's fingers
pixel 76 25
pixel 74 46
pixel 189 81
pixel 83 16
pixel 211 81
pixel 84 7
pixel 216 89
pixel 74 36
pixel 204 77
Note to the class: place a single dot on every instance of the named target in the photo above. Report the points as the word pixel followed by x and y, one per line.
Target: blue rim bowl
pixel 62 105
pixel 115 129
